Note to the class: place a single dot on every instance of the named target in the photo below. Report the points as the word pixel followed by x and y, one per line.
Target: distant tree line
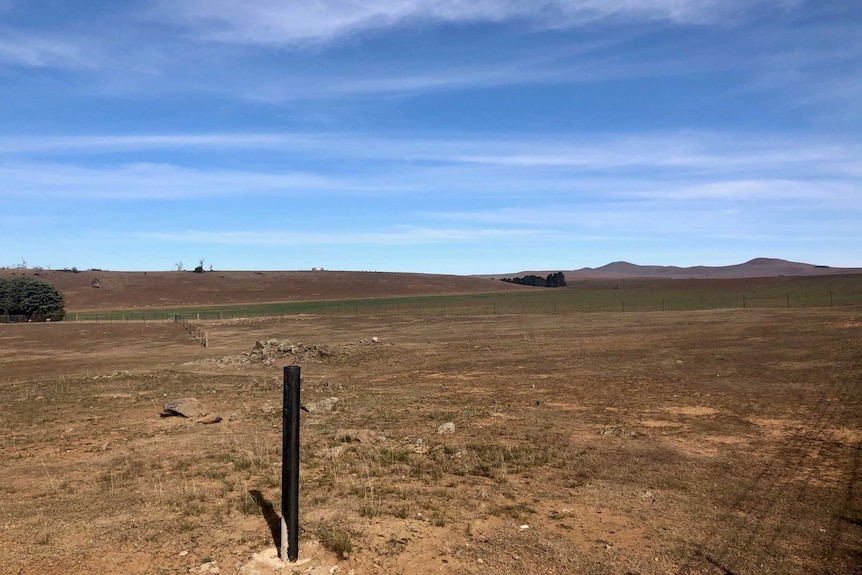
pixel 553 280
pixel 33 299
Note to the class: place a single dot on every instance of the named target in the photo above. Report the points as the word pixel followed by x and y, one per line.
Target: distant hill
pixel 98 290
pixel 758 267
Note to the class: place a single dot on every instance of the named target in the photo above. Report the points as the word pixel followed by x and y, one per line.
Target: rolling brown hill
pixel 125 290
pixel 756 268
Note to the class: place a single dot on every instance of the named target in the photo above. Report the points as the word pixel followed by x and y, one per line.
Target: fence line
pixel 566 303
pixel 196 332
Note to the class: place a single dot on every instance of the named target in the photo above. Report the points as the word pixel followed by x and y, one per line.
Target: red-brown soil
pixel 704 442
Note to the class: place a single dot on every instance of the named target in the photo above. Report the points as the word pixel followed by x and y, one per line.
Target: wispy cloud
pixel 678 152
pixel 292 23
pixel 401 235
pixel 151 56
pixel 152 182
pixel 817 65
pixel 84 144
pixel 494 129
pixel 38 51
pixel 660 186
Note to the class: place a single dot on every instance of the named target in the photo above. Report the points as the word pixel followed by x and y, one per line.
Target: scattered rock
pixel 266 351
pixel 211 418
pixel 447 427
pixel 190 407
pixel 208 567
pixel 185 407
pixel 365 436
pixel 270 350
pixel 327 404
pixel 332 452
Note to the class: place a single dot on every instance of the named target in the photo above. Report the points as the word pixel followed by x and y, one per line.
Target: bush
pixel 35 300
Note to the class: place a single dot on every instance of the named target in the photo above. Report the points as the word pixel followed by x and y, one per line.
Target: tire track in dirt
pixel 767 498
pixel 849 520
pixel 843 524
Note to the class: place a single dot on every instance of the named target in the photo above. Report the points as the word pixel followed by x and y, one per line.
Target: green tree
pixel 555 280
pixel 35 300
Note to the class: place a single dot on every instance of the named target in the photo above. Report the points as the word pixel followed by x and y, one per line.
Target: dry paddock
pixel 723 442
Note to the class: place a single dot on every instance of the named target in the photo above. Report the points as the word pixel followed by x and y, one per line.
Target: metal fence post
pixel 290 466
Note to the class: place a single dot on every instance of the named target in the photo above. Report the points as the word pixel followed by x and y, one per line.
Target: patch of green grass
pixel 652 294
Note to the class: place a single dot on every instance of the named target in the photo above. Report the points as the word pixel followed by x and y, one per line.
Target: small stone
pixel 327 404
pixel 184 407
pixel 210 419
pixel 447 427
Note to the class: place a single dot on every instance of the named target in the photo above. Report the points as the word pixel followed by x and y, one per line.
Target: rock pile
pixel 267 351
pixel 270 350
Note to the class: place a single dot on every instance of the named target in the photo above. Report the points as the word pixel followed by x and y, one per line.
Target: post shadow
pixel 273 521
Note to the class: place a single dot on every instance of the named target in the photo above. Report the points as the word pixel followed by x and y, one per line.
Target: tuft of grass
pixel 369 509
pixel 516 510
pixel 42 538
pixel 438 519
pixel 389 456
pixel 247 504
pixel 339 541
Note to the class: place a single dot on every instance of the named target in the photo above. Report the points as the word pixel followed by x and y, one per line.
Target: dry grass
pixel 691 443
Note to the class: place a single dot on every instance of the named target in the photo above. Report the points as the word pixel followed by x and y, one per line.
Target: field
pixel 716 441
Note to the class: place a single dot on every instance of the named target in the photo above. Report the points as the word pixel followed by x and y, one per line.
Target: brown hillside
pixel 124 290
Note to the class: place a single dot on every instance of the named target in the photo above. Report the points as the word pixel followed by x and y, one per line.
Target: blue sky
pixel 447 136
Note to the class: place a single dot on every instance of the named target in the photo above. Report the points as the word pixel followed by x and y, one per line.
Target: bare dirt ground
pixel 721 442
